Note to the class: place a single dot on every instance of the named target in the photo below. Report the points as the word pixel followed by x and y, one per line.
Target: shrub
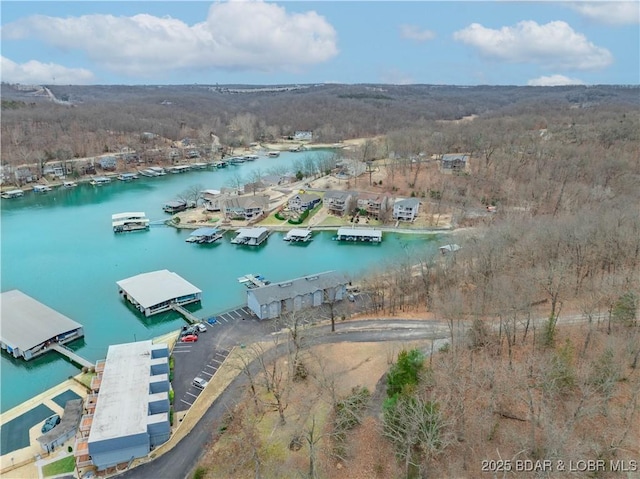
pixel 405 373
pixel 199 473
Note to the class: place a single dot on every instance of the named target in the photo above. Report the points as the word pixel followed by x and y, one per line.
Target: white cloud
pixel 235 35
pixel 554 80
pixel 47 73
pixel 412 32
pixel 609 12
pixel 554 44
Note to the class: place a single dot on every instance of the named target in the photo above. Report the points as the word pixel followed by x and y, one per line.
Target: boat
pixel 199 166
pixel 127 176
pixel 174 206
pixel 157 169
pixel 220 164
pixel 235 160
pixel 12 194
pixel 179 169
pixel 253 281
pixel 449 248
pixel 204 236
pixel 297 235
pixel 99 181
pixel 41 188
pixel 130 221
pixel 273 154
pixel 69 184
pixel 250 157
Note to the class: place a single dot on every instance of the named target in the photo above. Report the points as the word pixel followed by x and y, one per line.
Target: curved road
pixel 184 456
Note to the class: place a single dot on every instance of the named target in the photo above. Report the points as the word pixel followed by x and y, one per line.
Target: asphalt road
pixel 181 460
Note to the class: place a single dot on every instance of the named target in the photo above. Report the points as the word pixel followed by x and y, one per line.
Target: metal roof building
pixel 359 234
pixel 155 292
pixel 131 414
pixel 272 300
pixel 28 327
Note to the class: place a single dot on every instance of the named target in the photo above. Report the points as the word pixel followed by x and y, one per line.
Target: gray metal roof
pixel 25 322
pixel 255 232
pixel 68 424
pixel 407 203
pixel 149 289
pixel 297 287
pixel 366 232
pixel 122 408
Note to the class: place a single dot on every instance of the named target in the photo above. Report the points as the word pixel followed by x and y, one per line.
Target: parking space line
pixel 188 403
pixel 191 394
pixel 209 366
pixel 245 310
pixel 237 314
pixel 208 374
pixel 217 361
pixel 181 350
pixel 223 318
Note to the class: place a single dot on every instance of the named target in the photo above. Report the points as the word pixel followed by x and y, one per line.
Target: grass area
pixel 85 378
pixel 66 464
pixel 271 220
pixel 334 221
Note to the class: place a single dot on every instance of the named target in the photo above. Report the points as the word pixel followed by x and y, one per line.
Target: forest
pixel 542 301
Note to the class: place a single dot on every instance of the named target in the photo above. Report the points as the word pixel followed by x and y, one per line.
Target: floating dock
pixel 65 351
pixel 29 328
pixel 298 235
pixel 253 281
pixel 365 235
pixel 191 318
pixel 251 236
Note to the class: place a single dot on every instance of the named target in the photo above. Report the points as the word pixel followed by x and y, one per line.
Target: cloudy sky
pixel 253 42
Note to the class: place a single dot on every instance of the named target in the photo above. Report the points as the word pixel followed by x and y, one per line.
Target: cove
pixel 59 248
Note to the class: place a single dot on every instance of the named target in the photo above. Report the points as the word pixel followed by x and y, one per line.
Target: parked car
pixel 50 423
pixel 201 327
pixel 200 383
pixel 187 330
pixel 189 338
pixel 351 298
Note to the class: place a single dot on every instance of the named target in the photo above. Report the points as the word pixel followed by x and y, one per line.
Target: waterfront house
pixel 373 203
pixel 303 201
pixel 174 206
pixel 245 207
pixel 108 163
pixel 454 162
pixel 303 135
pixel 130 404
pixel 272 300
pixel 406 210
pixel 339 202
pixel 213 200
pixel 157 291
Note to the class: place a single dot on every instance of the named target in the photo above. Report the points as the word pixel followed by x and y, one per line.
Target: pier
pixel 191 318
pixel 71 355
pixel 252 281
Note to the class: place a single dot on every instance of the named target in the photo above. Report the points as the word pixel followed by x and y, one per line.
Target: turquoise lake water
pixel 59 248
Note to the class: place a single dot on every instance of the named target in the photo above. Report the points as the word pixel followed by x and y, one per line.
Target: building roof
pixel 246 202
pixel 297 287
pixel 455 156
pixel 338 194
pixel 25 322
pixel 206 231
pixel 149 289
pixel 306 197
pixel 251 232
pixel 122 408
pixel 68 424
pixel 407 203
pixel 300 232
pixel 367 232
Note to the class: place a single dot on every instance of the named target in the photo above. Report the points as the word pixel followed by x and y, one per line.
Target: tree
pixel 405 373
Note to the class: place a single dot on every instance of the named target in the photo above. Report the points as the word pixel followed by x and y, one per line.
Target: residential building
pixel 374 204
pixel 272 300
pixel 302 135
pixel 246 207
pixel 303 201
pixel 406 210
pixel 129 406
pixel 454 162
pixel 339 202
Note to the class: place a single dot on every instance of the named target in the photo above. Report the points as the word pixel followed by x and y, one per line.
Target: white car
pixel 200 383
pixel 201 327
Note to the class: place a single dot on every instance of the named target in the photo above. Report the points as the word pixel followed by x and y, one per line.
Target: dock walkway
pixel 191 318
pixel 71 355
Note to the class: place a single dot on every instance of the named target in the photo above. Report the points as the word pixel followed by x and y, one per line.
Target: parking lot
pixel 203 357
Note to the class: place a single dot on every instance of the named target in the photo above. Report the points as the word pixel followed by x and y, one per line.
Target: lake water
pixel 59 248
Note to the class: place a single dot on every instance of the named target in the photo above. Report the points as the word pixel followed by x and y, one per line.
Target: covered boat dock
pixel 204 235
pixel 251 236
pixel 28 328
pixel 156 292
pixel 298 235
pixel 359 235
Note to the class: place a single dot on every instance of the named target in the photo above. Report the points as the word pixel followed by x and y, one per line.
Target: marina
pixel 86 292
pixel 360 235
pixel 298 235
pixel 12 194
pixel 251 236
pixel 123 222
pixel 204 236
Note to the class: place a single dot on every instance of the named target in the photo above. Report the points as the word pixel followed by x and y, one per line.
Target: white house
pixel 406 210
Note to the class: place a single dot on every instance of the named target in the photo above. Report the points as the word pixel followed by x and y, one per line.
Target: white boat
pixel 250 157
pixel 449 248
pixel 273 154
pixel 235 160
pixel 157 169
pixel 99 181
pixel 220 164
pixel 41 188
pixel 130 221
pixel 12 194
pixel 69 184
pixel 149 173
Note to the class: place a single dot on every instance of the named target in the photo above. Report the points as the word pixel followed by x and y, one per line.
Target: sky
pixel 543 43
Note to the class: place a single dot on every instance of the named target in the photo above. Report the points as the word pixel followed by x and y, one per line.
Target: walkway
pixel 191 318
pixel 72 356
